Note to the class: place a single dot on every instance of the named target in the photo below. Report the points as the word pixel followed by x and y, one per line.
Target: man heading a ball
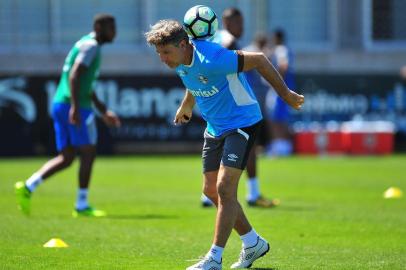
pixel 214 81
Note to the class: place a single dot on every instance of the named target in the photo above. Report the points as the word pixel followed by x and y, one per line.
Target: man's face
pixel 170 54
pixel 107 32
pixel 235 25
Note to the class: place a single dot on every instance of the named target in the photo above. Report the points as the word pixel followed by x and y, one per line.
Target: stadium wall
pixel 147 105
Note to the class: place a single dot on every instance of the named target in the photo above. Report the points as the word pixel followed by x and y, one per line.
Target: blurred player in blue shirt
pixel 213 80
pixel 278 110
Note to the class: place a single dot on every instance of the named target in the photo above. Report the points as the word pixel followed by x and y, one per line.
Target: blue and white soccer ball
pixel 200 22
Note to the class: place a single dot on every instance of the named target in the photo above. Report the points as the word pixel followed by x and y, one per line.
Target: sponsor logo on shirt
pixel 207 93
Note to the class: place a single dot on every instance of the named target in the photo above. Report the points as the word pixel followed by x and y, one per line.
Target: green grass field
pixel 332 215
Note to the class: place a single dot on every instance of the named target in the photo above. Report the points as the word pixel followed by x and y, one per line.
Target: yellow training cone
pixel 393 193
pixel 55 243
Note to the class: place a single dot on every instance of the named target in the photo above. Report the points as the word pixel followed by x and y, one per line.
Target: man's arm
pixel 109 117
pixel 74 82
pixel 257 60
pixel 100 106
pixel 184 112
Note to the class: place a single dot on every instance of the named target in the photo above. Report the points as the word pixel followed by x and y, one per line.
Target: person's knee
pixel 210 191
pixel 88 152
pixel 225 192
pixel 67 159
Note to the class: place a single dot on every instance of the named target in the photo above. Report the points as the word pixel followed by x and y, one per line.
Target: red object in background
pixel 362 138
pixel 319 142
pixel 357 138
pixel 304 143
pixel 362 143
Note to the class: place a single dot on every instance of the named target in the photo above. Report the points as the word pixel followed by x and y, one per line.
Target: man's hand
pixel 74 115
pixel 294 100
pixel 111 119
pixel 183 115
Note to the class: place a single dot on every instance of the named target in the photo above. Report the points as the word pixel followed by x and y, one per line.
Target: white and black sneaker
pixel 249 255
pixel 207 263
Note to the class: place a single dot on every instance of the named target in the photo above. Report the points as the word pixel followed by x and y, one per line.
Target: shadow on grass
pixel 141 217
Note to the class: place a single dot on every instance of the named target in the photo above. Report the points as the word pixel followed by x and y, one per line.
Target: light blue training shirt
pixel 223 95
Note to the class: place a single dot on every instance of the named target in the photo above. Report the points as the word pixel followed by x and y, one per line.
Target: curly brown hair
pixel 166 32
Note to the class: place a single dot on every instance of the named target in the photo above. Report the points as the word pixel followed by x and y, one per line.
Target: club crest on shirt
pixel 182 73
pixel 203 79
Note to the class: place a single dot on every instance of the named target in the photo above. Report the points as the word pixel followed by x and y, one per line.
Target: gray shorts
pixel 230 149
